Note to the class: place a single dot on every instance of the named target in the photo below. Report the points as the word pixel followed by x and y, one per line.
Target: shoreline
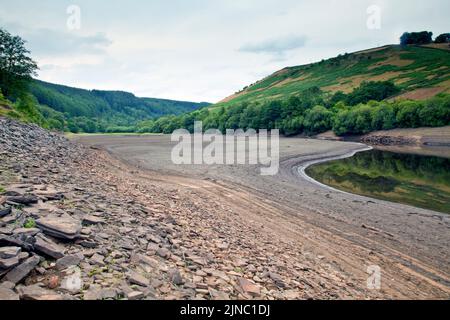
pixel 301 169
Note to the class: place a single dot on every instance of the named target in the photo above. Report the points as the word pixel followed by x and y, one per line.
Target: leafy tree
pixel 408 114
pixel 435 112
pixel 443 38
pixel 292 126
pixel 317 120
pixel 16 67
pixel 372 90
pixel 383 117
pixel 423 37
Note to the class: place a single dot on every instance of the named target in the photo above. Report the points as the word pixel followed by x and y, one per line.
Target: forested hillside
pixel 100 111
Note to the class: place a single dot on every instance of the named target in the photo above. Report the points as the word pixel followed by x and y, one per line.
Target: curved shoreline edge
pixel 300 169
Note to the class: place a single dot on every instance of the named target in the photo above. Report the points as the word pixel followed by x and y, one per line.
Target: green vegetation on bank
pixel 313 111
pixel 70 109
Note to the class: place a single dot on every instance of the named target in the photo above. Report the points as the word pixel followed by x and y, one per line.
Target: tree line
pixel 423 37
pixel 313 112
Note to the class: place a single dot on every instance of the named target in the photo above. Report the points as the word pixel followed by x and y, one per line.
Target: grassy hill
pixel 421 71
pixel 81 109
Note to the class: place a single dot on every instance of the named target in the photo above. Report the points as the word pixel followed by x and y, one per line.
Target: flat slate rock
pixel 7 294
pixel 63 227
pixel 22 270
pixel 9 262
pixel 4 211
pixel 35 292
pixel 9 252
pixel 25 200
pixel 48 247
pixel 69 261
pixel 90 219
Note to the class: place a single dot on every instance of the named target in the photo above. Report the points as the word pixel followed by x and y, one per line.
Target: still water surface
pixel 421 181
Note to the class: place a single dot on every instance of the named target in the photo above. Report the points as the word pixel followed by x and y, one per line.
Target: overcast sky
pixel 202 50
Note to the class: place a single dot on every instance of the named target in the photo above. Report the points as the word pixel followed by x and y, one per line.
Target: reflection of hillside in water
pixel 422 181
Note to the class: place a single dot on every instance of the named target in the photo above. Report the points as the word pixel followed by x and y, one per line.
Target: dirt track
pixel 345 232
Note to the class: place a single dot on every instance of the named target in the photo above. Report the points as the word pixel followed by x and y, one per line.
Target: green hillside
pixel 108 110
pixel 410 68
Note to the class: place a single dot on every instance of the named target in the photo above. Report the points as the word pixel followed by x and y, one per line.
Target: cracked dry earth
pixel 76 223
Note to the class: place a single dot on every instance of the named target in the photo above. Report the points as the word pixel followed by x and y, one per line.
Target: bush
pixel 383 117
pixel 435 112
pixel 318 120
pixel 368 91
pixel 408 114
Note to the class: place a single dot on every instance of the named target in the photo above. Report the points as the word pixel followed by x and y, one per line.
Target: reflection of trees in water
pixel 366 183
pixel 422 181
pixel 405 166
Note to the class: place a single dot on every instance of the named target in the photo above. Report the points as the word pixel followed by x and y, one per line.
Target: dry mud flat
pixel 337 235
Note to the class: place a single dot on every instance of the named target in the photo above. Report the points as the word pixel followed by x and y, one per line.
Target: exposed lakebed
pixel 418 180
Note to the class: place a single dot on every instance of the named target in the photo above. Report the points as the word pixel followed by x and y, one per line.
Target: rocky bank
pixel 70 229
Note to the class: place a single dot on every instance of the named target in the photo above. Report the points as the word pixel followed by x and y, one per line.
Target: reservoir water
pixel 417 180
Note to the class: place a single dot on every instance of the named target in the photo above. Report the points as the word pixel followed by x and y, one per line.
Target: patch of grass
pixel 29 224
pixel 2 189
pixel 94 272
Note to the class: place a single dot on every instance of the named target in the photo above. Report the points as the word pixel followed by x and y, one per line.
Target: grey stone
pixel 135 295
pixel 25 200
pixel 89 219
pixel 163 253
pixel 7 284
pixel 136 278
pixel 10 241
pixel 9 252
pixel 22 270
pixel 48 247
pixel 69 261
pixel 98 259
pixel 64 227
pixel 35 292
pixel 96 293
pixel 27 231
pixel 4 211
pixel 8 294
pixel 9 263
pixel 175 277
